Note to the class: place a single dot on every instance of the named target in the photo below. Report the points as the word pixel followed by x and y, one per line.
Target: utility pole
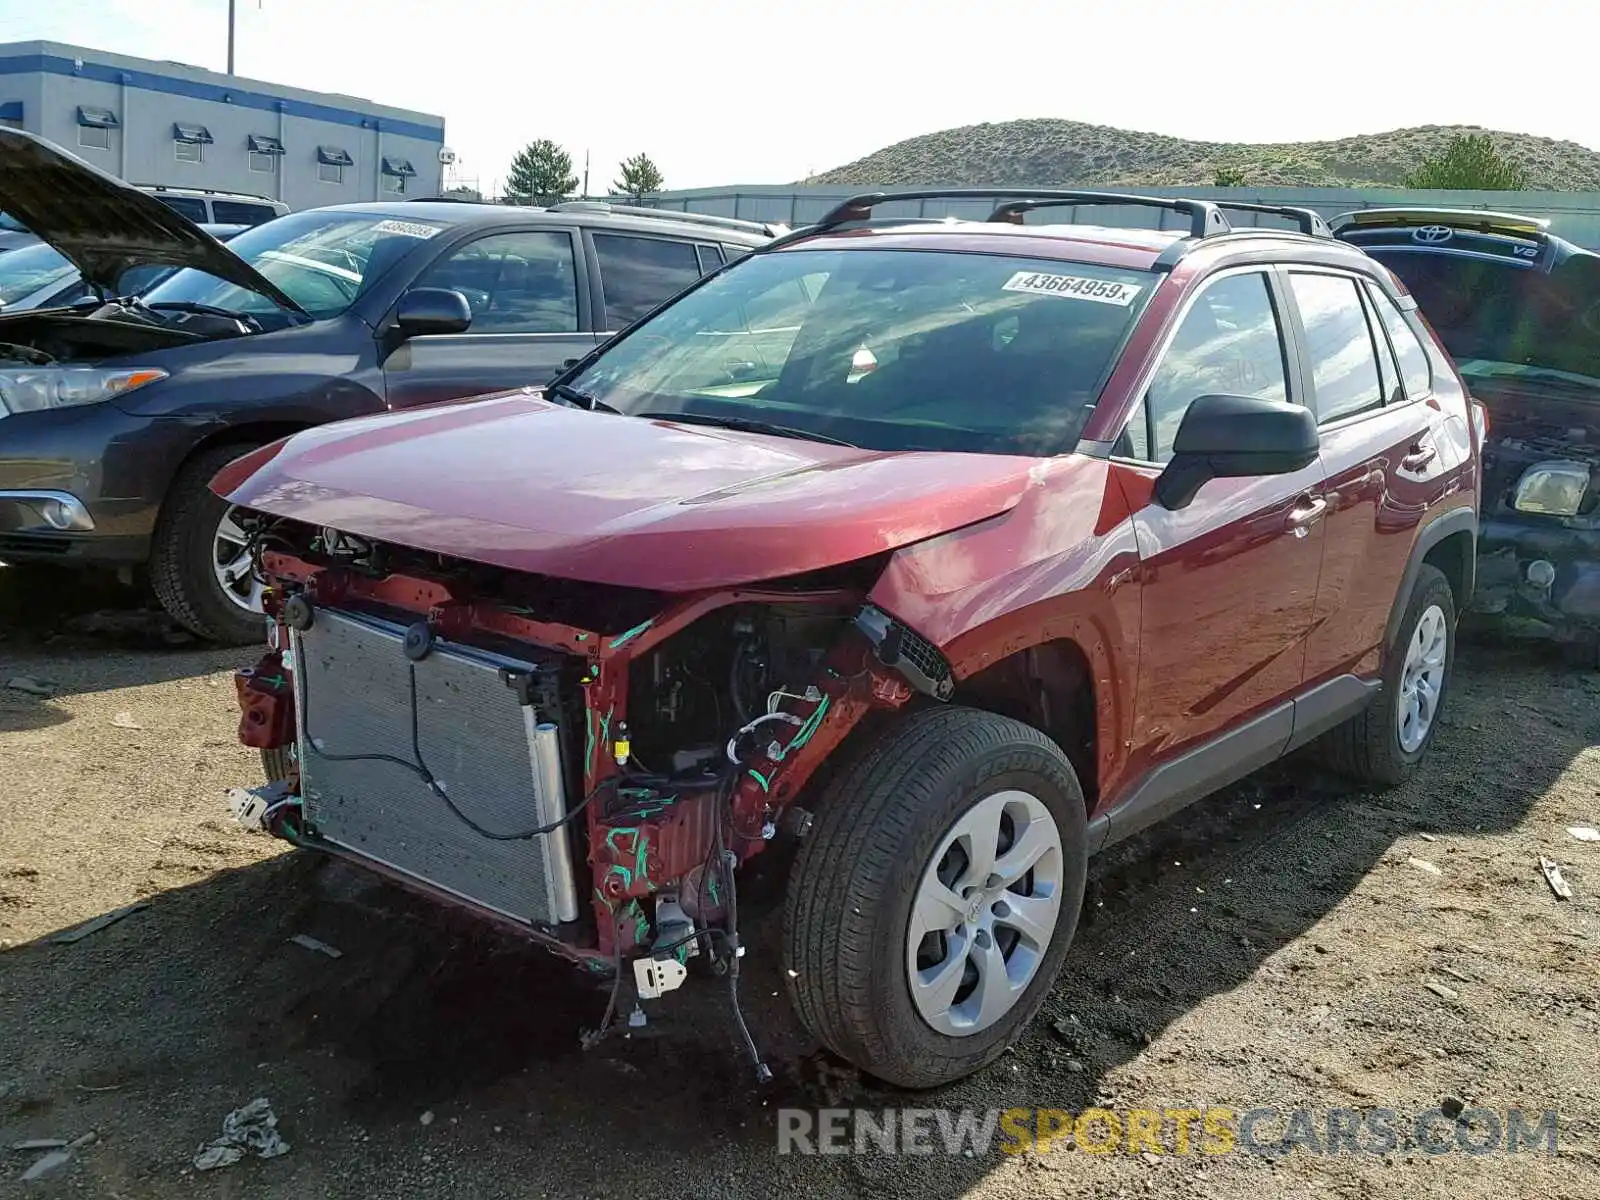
pixel 231 4
pixel 585 174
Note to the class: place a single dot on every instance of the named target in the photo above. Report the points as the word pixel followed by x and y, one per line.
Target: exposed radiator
pixel 492 760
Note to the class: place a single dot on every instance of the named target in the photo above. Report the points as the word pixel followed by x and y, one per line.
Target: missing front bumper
pixel 375 726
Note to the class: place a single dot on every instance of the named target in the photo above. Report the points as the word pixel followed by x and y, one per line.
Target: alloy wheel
pixel 230 563
pixel 985 913
pixel 1422 678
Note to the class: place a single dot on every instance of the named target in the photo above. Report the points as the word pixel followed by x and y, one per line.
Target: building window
pixel 331 162
pixel 95 126
pixel 264 153
pixel 11 114
pixel 189 142
pixel 396 171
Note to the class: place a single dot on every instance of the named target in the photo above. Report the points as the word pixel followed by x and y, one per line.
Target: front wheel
pixel 931 906
pixel 200 562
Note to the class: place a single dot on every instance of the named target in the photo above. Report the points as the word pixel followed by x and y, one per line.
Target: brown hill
pixel 1049 153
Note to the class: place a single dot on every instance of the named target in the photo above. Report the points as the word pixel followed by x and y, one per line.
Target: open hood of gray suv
pixel 105 226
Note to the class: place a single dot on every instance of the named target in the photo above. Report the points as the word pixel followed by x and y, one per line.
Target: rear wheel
pixel 200 564
pixel 1384 742
pixel 932 904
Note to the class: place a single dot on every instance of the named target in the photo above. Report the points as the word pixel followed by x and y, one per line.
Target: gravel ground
pixel 1272 946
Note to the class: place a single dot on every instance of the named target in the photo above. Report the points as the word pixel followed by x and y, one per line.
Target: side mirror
pixel 427 310
pixel 1229 437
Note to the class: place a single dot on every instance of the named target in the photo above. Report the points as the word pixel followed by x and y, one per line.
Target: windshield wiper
pixel 748 425
pixel 577 399
pixel 208 310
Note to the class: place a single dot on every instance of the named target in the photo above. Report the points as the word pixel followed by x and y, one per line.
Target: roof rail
pixel 1482 220
pixel 203 191
pixel 767 228
pixel 443 199
pixel 1205 218
pixel 1309 220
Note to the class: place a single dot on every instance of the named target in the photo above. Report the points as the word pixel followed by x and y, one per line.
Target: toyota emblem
pixel 1432 235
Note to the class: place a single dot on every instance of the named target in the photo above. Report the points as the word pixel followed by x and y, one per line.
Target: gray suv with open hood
pixel 115 412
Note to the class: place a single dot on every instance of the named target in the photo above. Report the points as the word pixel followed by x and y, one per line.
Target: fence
pixel 1573 215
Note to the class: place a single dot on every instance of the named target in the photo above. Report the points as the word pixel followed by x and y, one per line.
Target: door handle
pixel 1420 455
pixel 1306 513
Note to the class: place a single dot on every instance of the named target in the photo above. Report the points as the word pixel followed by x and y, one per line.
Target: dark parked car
pixel 40 276
pixel 1519 310
pixel 113 418
pixel 958 550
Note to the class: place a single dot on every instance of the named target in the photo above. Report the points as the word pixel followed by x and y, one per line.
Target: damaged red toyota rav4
pixel 955 550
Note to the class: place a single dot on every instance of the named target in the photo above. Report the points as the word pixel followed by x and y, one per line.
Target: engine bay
pixel 587 764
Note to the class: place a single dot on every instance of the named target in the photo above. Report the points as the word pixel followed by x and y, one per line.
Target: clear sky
pixel 722 92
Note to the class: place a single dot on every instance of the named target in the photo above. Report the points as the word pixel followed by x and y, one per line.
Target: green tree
pixel 1469 163
pixel 1230 177
pixel 639 177
pixel 541 173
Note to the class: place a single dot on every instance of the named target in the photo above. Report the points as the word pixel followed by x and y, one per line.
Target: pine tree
pixel 639 177
pixel 541 173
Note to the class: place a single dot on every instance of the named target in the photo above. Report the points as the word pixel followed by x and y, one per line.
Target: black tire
pixel 857 874
pixel 277 763
pixel 1367 747
pixel 181 554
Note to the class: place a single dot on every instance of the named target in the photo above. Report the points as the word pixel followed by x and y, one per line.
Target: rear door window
pixel 1414 369
pixel 237 212
pixel 638 273
pixel 710 259
pixel 189 206
pixel 1344 364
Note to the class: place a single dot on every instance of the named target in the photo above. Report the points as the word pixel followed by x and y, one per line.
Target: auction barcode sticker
pixel 1101 291
pixel 411 229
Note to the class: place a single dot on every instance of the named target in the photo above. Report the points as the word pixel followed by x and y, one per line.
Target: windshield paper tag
pixel 406 229
pixel 1101 291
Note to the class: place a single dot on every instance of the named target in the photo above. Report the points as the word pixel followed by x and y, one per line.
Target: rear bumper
pixel 1567 608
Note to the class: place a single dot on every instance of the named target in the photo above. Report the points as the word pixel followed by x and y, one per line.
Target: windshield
pixel 887 349
pixel 25 271
pixel 10 224
pixel 1502 318
pixel 322 259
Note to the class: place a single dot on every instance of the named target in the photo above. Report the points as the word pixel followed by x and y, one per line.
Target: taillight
pixel 1480 423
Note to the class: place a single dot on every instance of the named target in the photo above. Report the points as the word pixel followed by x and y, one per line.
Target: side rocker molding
pixel 1230 756
pixel 1457 520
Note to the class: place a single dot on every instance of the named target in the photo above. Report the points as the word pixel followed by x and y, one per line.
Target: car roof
pixel 469 214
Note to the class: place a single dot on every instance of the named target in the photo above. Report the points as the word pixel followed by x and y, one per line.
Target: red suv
pixel 951 550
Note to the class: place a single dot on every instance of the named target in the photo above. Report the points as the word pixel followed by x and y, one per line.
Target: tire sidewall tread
pixel 857 875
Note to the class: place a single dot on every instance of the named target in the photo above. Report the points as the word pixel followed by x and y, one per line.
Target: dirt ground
pixel 1273 946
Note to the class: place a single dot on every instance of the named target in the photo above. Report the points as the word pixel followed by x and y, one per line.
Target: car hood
pixel 105 226
pixel 518 482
